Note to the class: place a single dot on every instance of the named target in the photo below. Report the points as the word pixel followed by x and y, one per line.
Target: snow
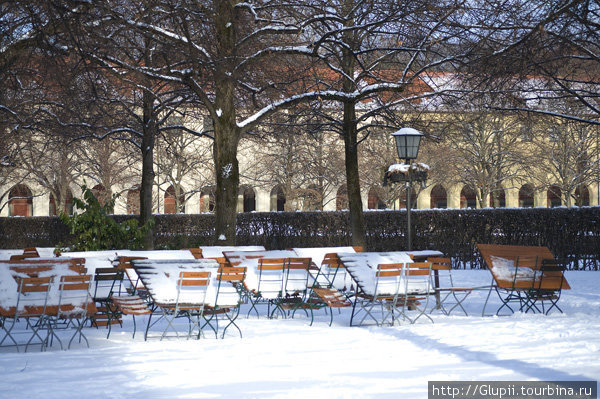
pixel 287 358
pixel 219 112
pixel 404 168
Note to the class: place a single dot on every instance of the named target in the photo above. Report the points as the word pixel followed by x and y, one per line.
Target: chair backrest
pixel 440 263
pixel 192 288
pixel 526 267
pixel 551 276
pixel 230 280
pixel 417 278
pixel 107 281
pixel 297 275
pixel 330 268
pixel 32 296
pixel 233 274
pixel 388 279
pixel 271 273
pixel 74 296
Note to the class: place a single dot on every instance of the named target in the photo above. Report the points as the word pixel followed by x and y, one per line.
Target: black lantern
pixel 407 142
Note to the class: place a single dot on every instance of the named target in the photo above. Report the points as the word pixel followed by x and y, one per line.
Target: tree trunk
pixel 227 133
pixel 228 179
pixel 357 222
pixel 147 149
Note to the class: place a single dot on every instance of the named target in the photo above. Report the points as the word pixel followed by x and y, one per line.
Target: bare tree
pixel 182 159
pixel 566 156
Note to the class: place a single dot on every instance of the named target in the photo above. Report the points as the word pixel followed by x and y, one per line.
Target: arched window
pixel 277 199
pixel 101 193
pixel 133 201
pixel 207 200
pixel 554 196
pixel 526 196
pixel 311 198
pixel 20 201
pixel 439 197
pixel 497 199
pixel 170 203
pixel 413 199
pixel 582 196
pixel 249 200
pixel 468 198
pixel 68 206
pixel 374 200
pixel 341 199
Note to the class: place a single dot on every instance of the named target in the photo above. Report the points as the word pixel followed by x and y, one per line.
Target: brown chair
pixel 332 298
pixel 132 305
pixel 31 305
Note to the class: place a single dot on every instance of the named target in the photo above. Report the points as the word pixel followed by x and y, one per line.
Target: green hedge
pixel 572 233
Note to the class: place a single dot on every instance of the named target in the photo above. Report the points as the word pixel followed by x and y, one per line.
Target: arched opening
pixel 526 196
pixel 277 199
pixel 341 198
pixel 171 204
pixel 413 199
pixel 133 201
pixel 582 196
pixel 102 194
pixel 438 197
pixel 68 206
pixel 497 199
pixel 311 198
pixel 554 196
pixel 468 198
pixel 20 201
pixel 249 200
pixel 374 200
pixel 207 200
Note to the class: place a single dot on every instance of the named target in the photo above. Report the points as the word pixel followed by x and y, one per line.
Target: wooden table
pixel 513 283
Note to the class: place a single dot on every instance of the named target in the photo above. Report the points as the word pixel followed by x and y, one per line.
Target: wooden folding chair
pixel 136 287
pixel 548 285
pixel 270 288
pixel 332 298
pixel 228 298
pixel 296 286
pixel 31 305
pixel 107 282
pixel 191 301
pixel 446 293
pixel 382 297
pixel 133 305
pixel 75 304
pixel 414 297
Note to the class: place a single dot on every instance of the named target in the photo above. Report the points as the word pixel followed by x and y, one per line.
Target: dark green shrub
pixel 94 230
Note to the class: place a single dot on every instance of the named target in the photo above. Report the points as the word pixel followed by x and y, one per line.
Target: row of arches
pixel 20 199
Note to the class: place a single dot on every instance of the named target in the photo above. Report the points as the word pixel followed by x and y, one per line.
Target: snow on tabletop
pixel 248 259
pixel 162 283
pixel 363 268
pixel 504 269
pixel 217 251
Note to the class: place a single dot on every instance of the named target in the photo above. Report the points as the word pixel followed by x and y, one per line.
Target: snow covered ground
pixel 287 358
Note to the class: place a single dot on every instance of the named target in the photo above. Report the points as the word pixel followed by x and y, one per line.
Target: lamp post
pixel 407 144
